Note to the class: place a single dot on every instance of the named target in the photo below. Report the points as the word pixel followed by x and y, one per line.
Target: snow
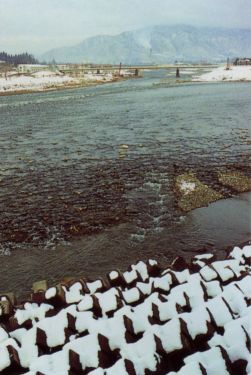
pixel 50 293
pixel 141 267
pixel 94 286
pixel 141 353
pixel 37 82
pixel 130 276
pixel 197 321
pixel 113 275
pixel 234 348
pixel 182 276
pixel 240 254
pixel 222 270
pixel 187 187
pixel 131 295
pixel 208 273
pixel 4 358
pixel 213 288
pixel 108 300
pixel 192 368
pixel 245 286
pixel 153 262
pixel 32 311
pixel 45 79
pixel 211 360
pixel 145 288
pixel 179 310
pixel 88 356
pixel 74 294
pixel 167 310
pixel 54 329
pixel 3 334
pixel 91 77
pixel 235 73
pixel 170 335
pixel 203 256
pixel 117 369
pixel 163 283
pixel 86 303
pixel 220 311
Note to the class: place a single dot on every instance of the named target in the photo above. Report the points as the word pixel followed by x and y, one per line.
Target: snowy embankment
pixel 235 73
pixel 184 319
pixel 36 82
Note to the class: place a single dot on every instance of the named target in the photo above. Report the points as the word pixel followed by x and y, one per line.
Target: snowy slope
pixel 158 44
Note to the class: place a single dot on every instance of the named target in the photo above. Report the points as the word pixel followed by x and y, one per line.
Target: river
pixel 86 175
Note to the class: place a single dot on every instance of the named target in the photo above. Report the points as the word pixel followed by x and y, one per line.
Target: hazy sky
pixel 39 25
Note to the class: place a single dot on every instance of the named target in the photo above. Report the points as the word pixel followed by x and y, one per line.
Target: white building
pixel 31 68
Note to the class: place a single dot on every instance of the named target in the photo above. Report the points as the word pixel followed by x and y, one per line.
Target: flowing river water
pixel 86 175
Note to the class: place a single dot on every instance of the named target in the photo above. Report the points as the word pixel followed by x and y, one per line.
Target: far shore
pixel 233 73
pixel 48 81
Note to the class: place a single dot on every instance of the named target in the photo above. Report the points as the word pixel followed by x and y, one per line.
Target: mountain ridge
pixel 158 44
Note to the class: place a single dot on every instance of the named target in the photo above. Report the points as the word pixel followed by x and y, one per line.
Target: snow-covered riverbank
pixel 46 80
pixel 235 73
pixel 37 82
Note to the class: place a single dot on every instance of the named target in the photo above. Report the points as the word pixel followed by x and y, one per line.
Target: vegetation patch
pixel 192 193
pixel 235 180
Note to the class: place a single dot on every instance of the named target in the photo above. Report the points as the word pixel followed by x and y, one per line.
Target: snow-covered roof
pixel 185 319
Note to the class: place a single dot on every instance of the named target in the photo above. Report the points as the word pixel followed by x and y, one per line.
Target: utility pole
pixel 228 64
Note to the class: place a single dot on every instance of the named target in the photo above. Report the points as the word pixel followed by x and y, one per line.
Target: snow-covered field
pixel 182 319
pixel 235 73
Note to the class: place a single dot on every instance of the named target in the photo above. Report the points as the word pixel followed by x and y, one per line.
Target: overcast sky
pixel 39 25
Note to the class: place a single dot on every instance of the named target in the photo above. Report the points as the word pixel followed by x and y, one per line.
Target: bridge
pixel 84 68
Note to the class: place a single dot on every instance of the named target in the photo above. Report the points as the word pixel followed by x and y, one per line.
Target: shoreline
pixel 24 294
pixel 64 87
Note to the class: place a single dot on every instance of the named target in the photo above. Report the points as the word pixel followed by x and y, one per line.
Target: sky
pixel 37 26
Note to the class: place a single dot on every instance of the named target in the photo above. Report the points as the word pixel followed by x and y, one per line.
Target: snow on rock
pixel 3 334
pixel 50 293
pixel 203 256
pixel 212 360
pixel 32 311
pixel 187 187
pixel 155 320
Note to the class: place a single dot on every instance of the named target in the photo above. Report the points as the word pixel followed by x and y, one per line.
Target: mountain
pixel 158 44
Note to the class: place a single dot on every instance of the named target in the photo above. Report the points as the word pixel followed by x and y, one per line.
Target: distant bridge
pixel 82 68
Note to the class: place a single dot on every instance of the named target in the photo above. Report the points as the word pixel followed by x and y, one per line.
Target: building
pixel 31 68
pixel 243 61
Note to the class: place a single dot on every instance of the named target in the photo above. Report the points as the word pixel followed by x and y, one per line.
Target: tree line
pixel 21 58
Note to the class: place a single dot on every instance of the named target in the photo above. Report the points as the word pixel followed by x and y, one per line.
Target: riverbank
pixel 221 74
pixel 50 81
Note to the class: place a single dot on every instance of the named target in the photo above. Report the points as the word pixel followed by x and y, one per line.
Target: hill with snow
pixel 158 44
